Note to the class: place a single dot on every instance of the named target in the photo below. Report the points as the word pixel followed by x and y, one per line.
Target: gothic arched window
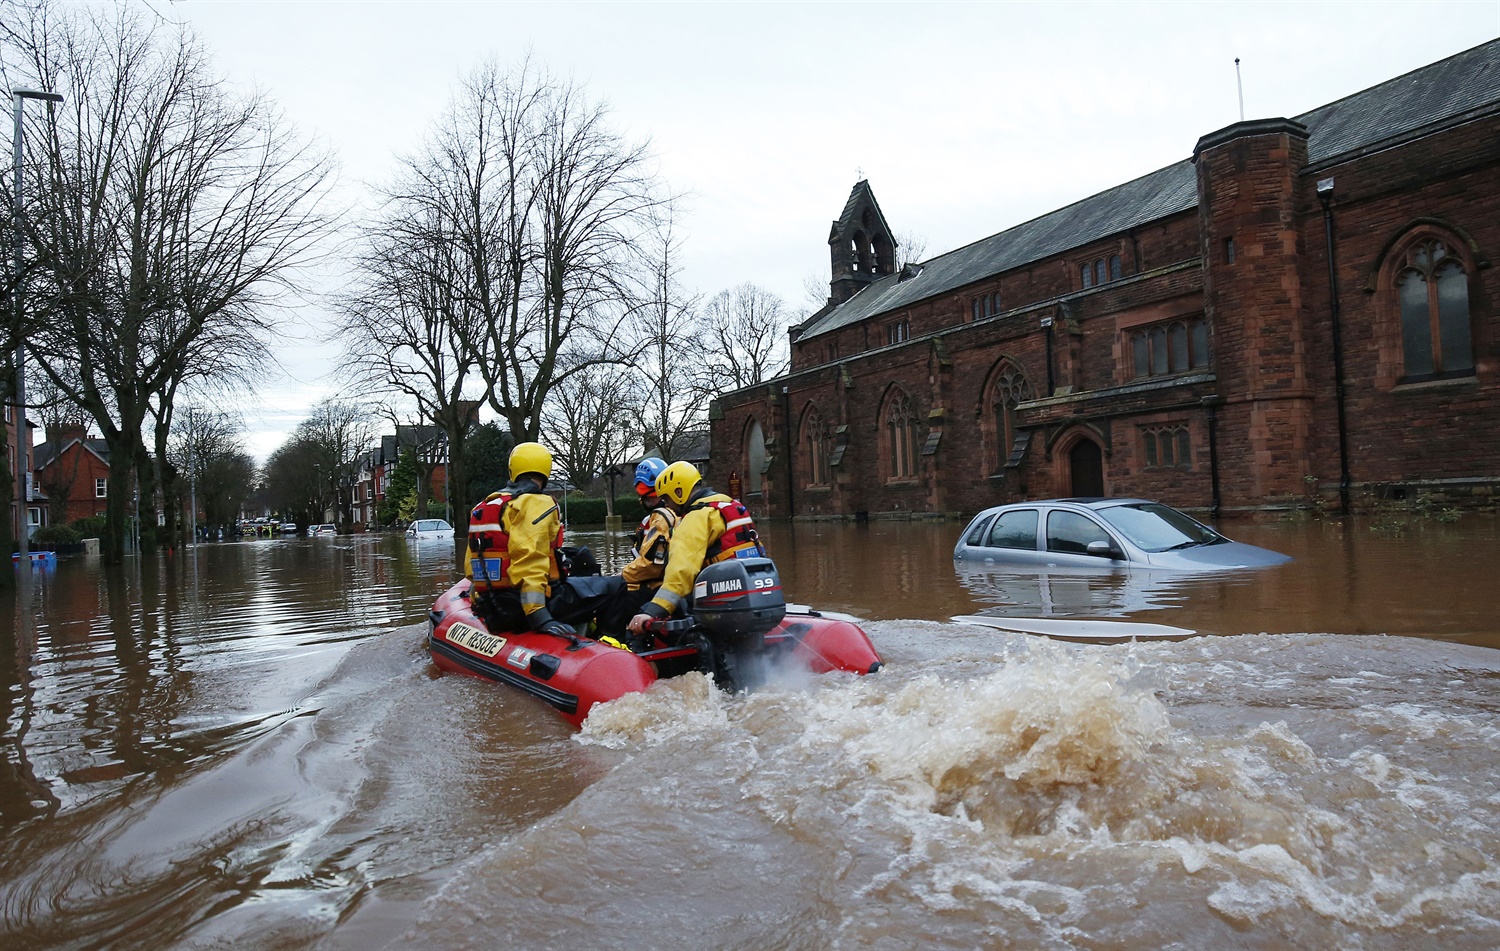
pixel 1008 389
pixel 755 456
pixel 1433 290
pixel 900 433
pixel 818 445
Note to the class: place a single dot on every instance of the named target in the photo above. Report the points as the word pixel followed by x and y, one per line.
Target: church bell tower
pixel 860 245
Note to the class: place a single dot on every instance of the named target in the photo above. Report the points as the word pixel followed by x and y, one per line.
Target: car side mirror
pixel 1103 549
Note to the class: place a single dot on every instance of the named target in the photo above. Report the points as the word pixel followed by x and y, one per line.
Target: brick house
pixel 373 471
pixel 72 474
pixel 1178 337
pixel 16 436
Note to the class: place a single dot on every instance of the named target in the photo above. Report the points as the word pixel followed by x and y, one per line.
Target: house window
pixel 901 437
pixel 101 488
pixel 1086 275
pixel 1167 446
pixel 1434 293
pixel 1179 346
pixel 898 331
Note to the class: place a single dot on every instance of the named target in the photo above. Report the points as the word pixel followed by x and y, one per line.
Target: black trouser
pixel 615 616
pixel 575 601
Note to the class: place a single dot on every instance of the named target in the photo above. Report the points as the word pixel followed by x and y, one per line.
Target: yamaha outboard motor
pixel 736 603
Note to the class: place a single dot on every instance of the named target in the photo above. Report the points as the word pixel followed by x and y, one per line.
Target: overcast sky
pixel 967 118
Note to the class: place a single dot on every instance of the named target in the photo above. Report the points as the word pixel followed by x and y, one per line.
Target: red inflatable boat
pixel 739 628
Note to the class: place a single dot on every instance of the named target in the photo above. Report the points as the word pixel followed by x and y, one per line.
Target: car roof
pixel 1091 502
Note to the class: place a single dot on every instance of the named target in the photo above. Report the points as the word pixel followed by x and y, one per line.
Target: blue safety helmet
pixel 645 475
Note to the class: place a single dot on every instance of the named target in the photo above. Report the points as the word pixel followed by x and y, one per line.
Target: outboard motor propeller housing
pixel 737 603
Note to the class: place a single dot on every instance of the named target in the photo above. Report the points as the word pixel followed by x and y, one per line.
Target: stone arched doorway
pixel 1085 469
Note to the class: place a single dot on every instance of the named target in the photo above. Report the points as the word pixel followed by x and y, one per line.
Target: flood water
pixel 245 745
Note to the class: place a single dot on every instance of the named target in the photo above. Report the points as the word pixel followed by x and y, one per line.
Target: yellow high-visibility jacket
pixel 649 565
pixel 533 532
pixel 695 532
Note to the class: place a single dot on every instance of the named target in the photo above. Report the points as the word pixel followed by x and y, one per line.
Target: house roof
pixel 45 453
pixel 1409 105
pixel 690 446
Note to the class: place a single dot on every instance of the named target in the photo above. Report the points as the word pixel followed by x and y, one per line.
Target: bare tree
pixel 910 248
pixel 669 373
pixel 595 198
pixel 174 211
pixel 206 445
pixel 589 421
pixel 307 474
pixel 414 326
pixel 746 338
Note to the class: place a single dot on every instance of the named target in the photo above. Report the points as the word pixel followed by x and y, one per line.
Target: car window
pixel 1157 527
pixel 1015 530
pixel 1071 532
pixel 976 536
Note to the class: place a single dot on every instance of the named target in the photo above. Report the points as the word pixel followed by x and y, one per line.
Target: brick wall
pixel 1267 401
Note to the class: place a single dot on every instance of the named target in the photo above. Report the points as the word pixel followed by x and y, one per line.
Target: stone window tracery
pixel 901 434
pixel 1167 446
pixel 817 442
pixel 1166 349
pixel 1008 389
pixel 1433 291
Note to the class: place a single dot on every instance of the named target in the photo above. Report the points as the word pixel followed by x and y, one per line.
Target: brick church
pixel 1302 313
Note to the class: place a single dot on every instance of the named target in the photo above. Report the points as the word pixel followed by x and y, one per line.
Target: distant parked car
pixel 1117 533
pixel 429 528
pixel 324 529
pixel 288 528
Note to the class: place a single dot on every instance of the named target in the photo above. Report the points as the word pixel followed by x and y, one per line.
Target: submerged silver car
pixel 1116 533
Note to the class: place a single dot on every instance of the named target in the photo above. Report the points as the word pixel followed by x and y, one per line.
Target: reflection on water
pixel 245 745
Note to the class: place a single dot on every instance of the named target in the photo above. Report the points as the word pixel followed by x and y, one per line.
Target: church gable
pixel 861 247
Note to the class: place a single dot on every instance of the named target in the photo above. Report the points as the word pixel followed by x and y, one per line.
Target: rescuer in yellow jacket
pixel 513 564
pixel 653 539
pixel 711 527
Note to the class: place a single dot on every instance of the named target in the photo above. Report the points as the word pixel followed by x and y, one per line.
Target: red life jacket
pixel 489 541
pixel 740 539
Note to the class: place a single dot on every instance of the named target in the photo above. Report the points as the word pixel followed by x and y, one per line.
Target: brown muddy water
pixel 246 746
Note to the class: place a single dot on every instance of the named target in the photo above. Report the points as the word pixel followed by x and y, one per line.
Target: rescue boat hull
pixel 572 677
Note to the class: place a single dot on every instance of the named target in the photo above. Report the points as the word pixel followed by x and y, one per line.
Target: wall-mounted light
pixel 1325 190
pixel 1046 322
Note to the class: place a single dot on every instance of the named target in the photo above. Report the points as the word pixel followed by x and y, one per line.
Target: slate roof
pixel 692 446
pixel 1409 105
pixel 849 222
pixel 45 453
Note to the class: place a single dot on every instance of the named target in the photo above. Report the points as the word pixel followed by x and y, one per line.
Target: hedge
pixel 90 526
pixel 56 535
pixel 583 510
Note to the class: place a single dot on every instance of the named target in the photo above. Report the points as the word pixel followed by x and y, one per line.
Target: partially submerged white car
pixel 429 528
pixel 1103 533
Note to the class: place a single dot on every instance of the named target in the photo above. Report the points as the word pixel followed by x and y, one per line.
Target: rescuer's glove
pixel 543 622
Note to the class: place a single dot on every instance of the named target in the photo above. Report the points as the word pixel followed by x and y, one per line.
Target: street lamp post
pixel 23 487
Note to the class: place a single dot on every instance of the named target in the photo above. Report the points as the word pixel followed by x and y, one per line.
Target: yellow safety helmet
pixel 530 457
pixel 677 482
